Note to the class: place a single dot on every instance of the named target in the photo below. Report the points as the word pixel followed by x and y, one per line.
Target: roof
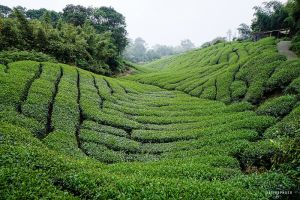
pixel 283 31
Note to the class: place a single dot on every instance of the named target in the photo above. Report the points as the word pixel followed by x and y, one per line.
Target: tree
pixel 5 11
pixel 164 50
pixel 25 29
pixel 9 35
pixel 270 16
pixel 152 55
pixel 244 31
pixel 76 15
pixel 293 19
pixel 229 35
pixel 187 45
pixel 107 19
pixel 136 51
pixel 103 19
pixel 59 24
pixel 21 9
pixel 46 20
pixel 106 50
pixel 41 40
pixel 35 14
pixel 71 40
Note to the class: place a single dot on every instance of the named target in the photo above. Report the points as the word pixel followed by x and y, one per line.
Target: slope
pixel 227 72
pixel 68 133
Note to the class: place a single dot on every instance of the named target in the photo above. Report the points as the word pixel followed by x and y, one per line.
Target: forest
pixel 90 38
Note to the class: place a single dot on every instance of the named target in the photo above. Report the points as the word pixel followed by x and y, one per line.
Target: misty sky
pixel 166 21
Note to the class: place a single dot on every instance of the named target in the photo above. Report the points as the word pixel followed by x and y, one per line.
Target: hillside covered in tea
pixel 220 122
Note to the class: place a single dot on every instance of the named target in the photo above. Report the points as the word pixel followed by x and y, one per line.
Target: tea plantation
pixel 220 122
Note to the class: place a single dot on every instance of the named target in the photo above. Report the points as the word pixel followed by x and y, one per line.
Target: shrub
pixel 284 75
pixel 277 107
pixel 163 144
pixel 287 127
pixel 238 90
pixel 12 56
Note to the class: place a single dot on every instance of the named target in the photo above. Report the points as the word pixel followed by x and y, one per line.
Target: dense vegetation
pixel 68 133
pixel 220 122
pixel 90 38
pixel 273 15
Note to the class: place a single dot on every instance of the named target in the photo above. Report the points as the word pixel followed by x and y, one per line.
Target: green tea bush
pixel 122 138
pixel 13 56
pixel 13 83
pixel 65 111
pixel 41 92
pixel 113 142
pixel 264 63
pixel 238 90
pixel 102 153
pixel 284 75
pixel 287 127
pixel 257 156
pixel 278 107
pixel 104 129
pixel 294 87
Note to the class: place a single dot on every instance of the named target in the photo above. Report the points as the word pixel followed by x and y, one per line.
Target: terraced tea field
pixel 201 125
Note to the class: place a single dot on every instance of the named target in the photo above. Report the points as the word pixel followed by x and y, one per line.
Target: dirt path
pixel 284 49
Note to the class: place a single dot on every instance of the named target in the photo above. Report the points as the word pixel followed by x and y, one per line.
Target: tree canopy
pixel 244 31
pixel 271 15
pixel 91 38
pixel 103 19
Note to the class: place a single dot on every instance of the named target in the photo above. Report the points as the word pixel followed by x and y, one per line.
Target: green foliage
pixel 226 72
pixel 103 19
pixel 239 89
pixel 284 75
pixel 257 156
pixel 5 11
pixel 271 16
pixel 95 44
pixel 288 127
pixel 66 133
pixel 41 92
pixel 278 107
pixel 244 31
pixel 287 159
pixel 12 56
pixel 76 14
pixel 65 110
pixel 25 29
pixel 113 142
pixel 293 7
pixel 65 177
pixel 296 44
pixel 75 134
pixel 13 83
pixel 294 87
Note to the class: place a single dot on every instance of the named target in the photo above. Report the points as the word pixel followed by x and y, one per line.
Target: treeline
pixel 273 15
pixel 90 38
pixel 137 51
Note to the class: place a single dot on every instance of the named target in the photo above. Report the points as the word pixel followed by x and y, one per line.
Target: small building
pixel 275 33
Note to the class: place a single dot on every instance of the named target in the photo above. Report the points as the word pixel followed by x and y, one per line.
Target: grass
pixel 205 124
